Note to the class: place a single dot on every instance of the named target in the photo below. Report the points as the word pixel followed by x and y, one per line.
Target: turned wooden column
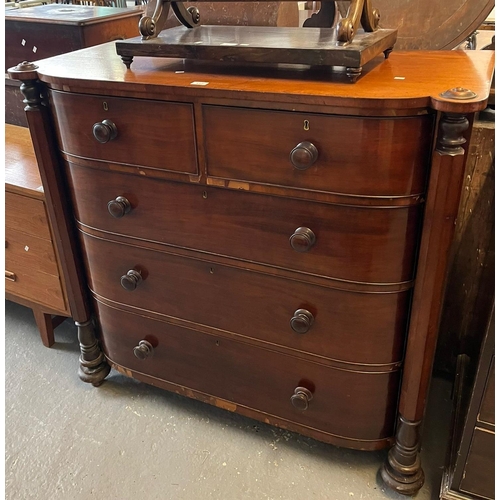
pixel 93 366
pixel 402 470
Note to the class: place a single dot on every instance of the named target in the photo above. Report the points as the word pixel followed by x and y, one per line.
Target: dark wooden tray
pixel 262 44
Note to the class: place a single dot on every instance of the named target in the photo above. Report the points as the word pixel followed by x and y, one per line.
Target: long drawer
pixel 366 328
pixel 254 377
pixel 350 243
pixel 349 155
pixel 143 132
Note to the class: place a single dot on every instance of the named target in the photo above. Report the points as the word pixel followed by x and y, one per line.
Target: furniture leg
pixel 45 326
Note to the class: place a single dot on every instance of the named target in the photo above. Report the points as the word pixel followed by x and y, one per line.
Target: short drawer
pixel 351 243
pixel 253 377
pixel 348 155
pixel 152 134
pixel 31 270
pixel 364 328
pixel 27 215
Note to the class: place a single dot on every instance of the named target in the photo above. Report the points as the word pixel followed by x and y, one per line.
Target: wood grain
pixel 353 243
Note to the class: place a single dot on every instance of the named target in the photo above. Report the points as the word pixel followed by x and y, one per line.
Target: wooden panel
pixel 21 169
pixel 168 145
pixel 487 408
pixel 33 262
pixel 365 156
pixel 26 215
pixel 29 253
pixel 14 107
pixel 357 244
pixel 255 378
pixel 353 327
pixel 479 473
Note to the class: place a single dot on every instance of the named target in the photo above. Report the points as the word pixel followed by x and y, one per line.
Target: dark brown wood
pixel 333 411
pixel 402 470
pixel 14 109
pixel 255 305
pixel 261 44
pixel 430 25
pixel 161 148
pixel 220 281
pixel 470 284
pixel 48 30
pixel 239 225
pixel 469 472
pixel 45 326
pixel 369 168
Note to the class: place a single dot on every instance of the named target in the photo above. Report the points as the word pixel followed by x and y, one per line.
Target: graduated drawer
pixel 27 215
pixel 154 134
pixel 351 243
pixel 355 155
pixel 253 377
pixel 354 327
pixel 31 269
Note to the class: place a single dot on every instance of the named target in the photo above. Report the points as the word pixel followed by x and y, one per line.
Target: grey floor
pixel 66 440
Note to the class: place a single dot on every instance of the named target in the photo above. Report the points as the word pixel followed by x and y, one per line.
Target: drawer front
pixel 257 378
pixel 357 244
pixel 354 327
pixel 152 134
pixel 363 156
pixel 27 215
pixel 31 269
pixel 479 474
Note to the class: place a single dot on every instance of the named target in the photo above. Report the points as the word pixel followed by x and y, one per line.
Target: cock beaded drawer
pixel 271 240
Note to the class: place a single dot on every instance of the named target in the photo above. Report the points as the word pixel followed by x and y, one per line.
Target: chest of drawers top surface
pixel 405 81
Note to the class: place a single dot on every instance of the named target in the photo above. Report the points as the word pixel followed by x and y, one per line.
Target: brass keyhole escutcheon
pixel 205 195
pixel 105 106
pixel 306 124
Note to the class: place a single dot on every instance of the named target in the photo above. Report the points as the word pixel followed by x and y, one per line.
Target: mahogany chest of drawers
pixel 271 241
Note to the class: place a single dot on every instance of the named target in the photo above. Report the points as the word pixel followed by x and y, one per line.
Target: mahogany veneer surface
pixel 210 206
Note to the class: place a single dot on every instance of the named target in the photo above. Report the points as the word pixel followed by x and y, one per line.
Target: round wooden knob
pixel 303 155
pixel 300 398
pixel 301 321
pixel 143 350
pixel 104 131
pixel 130 280
pixel 303 239
pixel 119 207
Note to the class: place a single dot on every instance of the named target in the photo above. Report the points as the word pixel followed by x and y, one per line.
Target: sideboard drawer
pixel 148 134
pixel 31 269
pixel 254 377
pixel 350 243
pixel 26 214
pixel 361 156
pixel 366 328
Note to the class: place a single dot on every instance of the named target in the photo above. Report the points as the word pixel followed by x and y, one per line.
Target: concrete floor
pixel 66 440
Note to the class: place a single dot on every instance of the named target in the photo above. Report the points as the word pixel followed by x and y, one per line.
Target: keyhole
pixel 105 106
pixel 211 270
pixel 306 124
pixel 205 195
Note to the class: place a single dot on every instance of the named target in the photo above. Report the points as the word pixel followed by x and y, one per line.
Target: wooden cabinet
pixel 273 242
pixel 470 474
pixel 33 275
